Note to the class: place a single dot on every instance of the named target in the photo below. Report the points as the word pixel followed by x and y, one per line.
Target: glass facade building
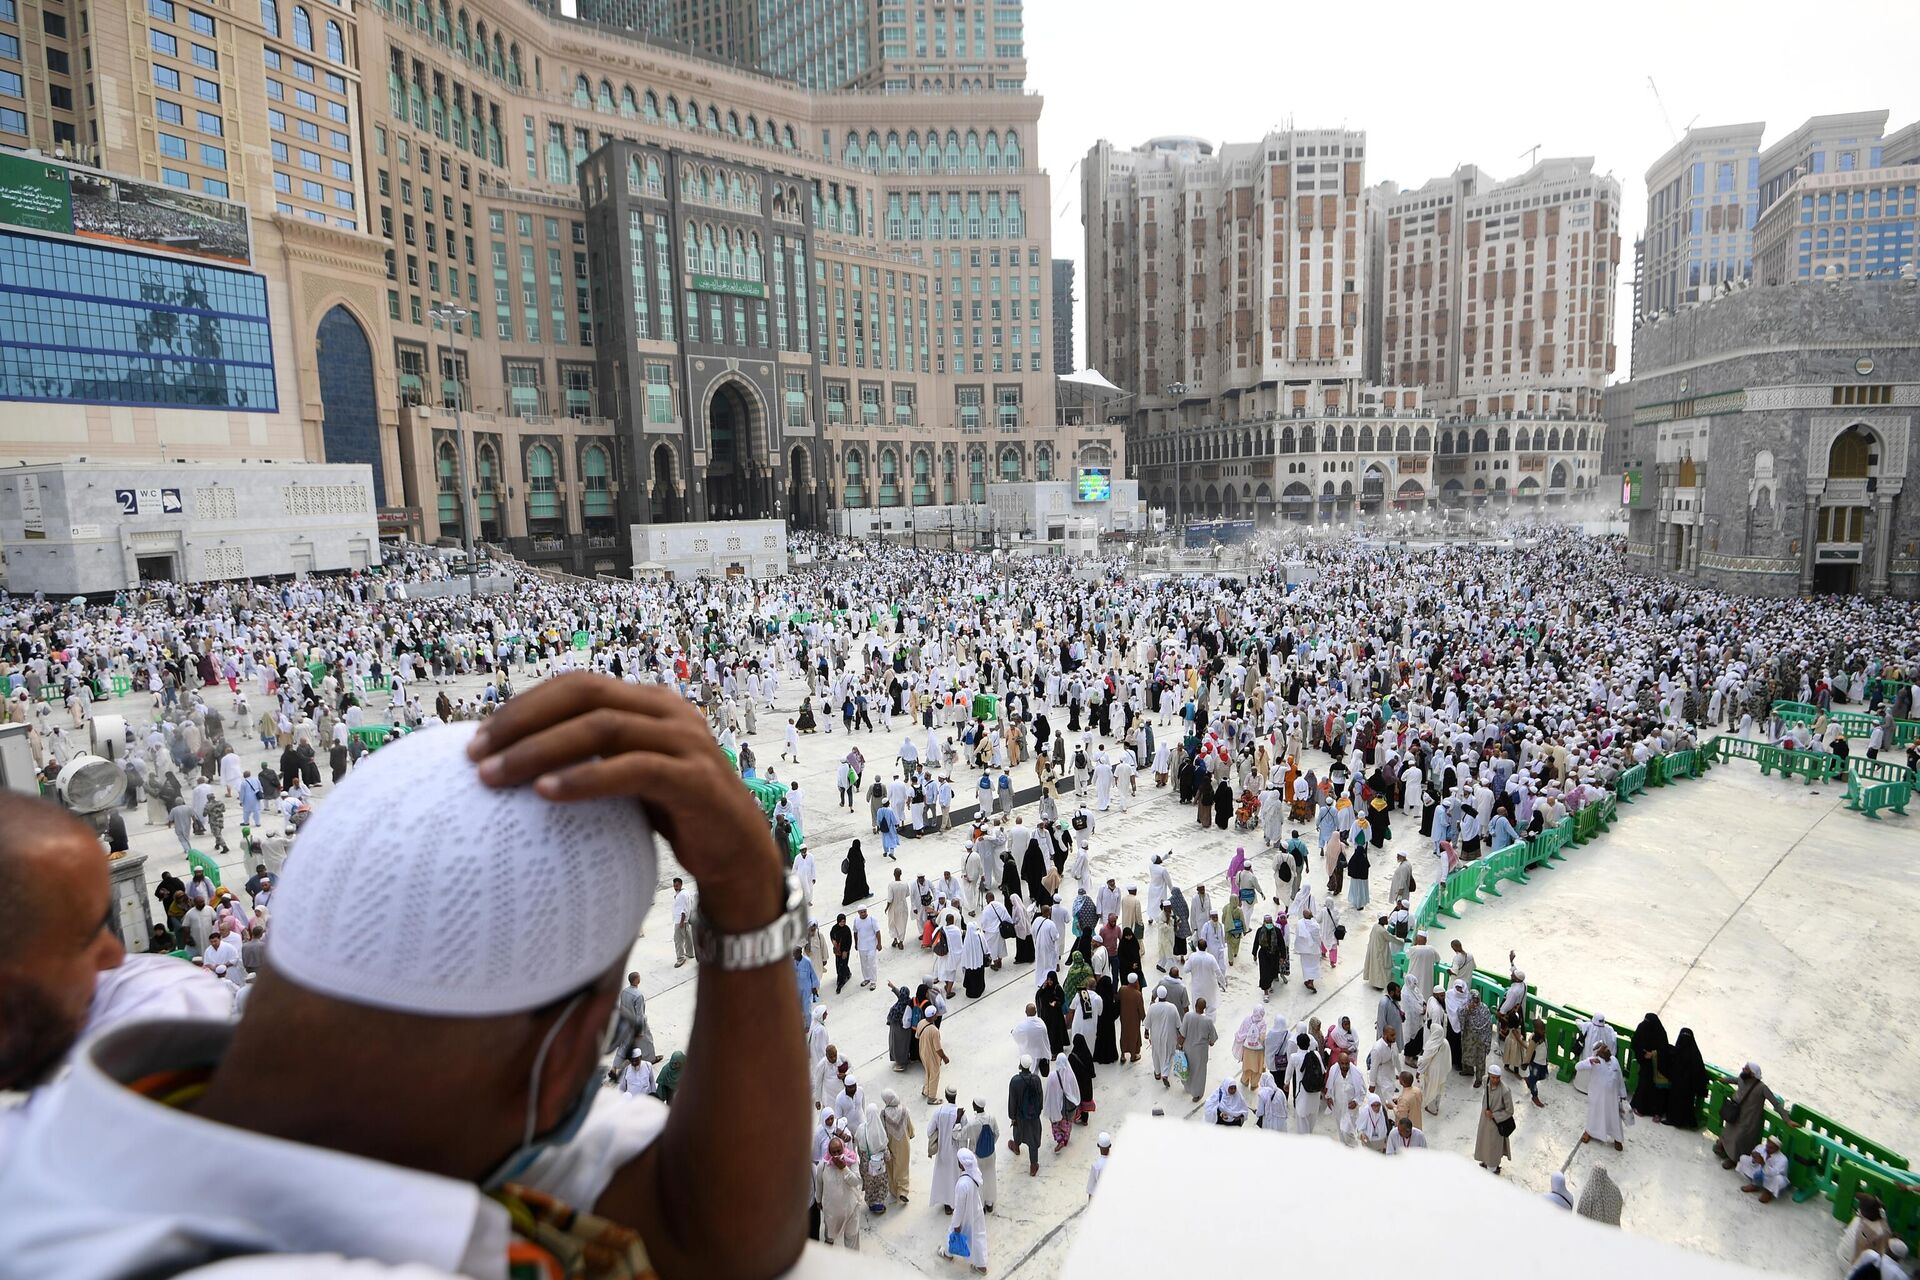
pixel 91 325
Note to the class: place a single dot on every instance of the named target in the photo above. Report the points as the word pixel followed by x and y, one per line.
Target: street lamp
pixel 449 316
pixel 1175 391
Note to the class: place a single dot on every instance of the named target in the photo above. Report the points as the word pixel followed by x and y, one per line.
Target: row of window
pixel 183 181
pixel 28 263
pixel 32 373
pixel 860 488
pixel 543 491
pixel 648 106
pixel 165 77
pixel 60 321
pixel 955 156
pixel 336 44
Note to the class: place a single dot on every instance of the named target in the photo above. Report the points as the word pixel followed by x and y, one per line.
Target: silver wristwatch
pixel 757 948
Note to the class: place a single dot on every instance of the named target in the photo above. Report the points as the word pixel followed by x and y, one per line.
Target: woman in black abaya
pixel 1651 1051
pixel 855 866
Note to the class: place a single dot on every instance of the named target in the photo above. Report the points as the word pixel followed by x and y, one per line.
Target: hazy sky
pixel 1436 86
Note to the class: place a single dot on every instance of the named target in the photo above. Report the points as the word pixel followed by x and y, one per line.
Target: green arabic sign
pixel 35 195
pixel 728 285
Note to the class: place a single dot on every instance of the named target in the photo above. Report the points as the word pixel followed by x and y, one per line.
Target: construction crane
pixel 1659 102
pixel 1532 154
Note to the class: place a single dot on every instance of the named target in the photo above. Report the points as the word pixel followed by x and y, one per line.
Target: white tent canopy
pixel 1092 379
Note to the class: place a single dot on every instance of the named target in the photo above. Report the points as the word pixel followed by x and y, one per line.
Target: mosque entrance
pixel 739 486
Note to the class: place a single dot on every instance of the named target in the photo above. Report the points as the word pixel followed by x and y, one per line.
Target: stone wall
pixel 103 523
pixel 1747 394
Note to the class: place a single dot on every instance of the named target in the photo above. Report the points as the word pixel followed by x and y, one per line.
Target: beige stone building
pixel 411 169
pixel 1302 346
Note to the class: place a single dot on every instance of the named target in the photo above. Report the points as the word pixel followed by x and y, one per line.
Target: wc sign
pixel 161 502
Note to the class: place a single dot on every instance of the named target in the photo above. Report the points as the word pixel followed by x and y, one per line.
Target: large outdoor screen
pixel 1095 485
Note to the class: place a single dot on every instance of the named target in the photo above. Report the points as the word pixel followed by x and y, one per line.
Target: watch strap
pixel 754 948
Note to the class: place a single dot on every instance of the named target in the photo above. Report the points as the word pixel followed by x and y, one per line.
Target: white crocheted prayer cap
pixel 417 888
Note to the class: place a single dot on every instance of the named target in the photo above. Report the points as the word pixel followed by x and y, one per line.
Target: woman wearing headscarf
pixel 855 867
pixel 1009 876
pixel 1557 1195
pixel 1226 1106
pixel 1051 1000
pixel 1106 1046
pixel 669 1082
pixel 1022 929
pixel 1374 1124
pixel 1223 804
pixel 1358 868
pixel 969 1221
pixel 1650 1052
pixel 973 961
pixel 1033 870
pixel 1270 1105
pixel 1250 1046
pixel 1182 920
pixel 1686 1073
pixel 873 1160
pixel 1079 974
pixel 1126 956
pixel 1062 1100
pixel 1601 1201
pixel 898 1126
pixel 900 1029
pixel 1080 1058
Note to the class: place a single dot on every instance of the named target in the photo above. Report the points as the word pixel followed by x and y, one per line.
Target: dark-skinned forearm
pixel 723 1193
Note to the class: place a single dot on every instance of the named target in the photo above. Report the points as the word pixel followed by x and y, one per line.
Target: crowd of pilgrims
pixel 1472 693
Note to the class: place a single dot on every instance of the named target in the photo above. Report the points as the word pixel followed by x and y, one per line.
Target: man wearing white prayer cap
pixel 1105 1144
pixel 409 1057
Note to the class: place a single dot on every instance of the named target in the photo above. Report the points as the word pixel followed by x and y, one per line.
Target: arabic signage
pixel 730 286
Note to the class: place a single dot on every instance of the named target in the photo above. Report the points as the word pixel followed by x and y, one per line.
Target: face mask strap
pixel 524 1154
pixel 539 1065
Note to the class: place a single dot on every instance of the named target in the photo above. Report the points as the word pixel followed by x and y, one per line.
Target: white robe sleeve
pixel 617 1129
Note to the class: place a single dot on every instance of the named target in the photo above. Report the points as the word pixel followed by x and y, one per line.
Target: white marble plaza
pixel 1761 913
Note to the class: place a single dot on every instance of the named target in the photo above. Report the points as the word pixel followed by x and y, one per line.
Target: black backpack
pixel 1313 1076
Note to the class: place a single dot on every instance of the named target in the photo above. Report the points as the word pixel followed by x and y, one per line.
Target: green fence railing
pixel 1825 1159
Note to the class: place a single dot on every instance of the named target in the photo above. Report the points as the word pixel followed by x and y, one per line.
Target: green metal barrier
pixel 1810 766
pixel 1731 748
pixel 1824 1157
pixel 380 684
pixel 1586 823
pixel 1631 782
pixel 1426 916
pixel 122 685
pixel 1887 689
pixel 1899 1193
pixel 1873 797
pixel 1796 712
pixel 1855 1143
pixel 582 639
pixel 1508 863
pixel 1462 886
pixel 203 862
pixel 1563 831
pixel 375 736
pixel 1879 770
